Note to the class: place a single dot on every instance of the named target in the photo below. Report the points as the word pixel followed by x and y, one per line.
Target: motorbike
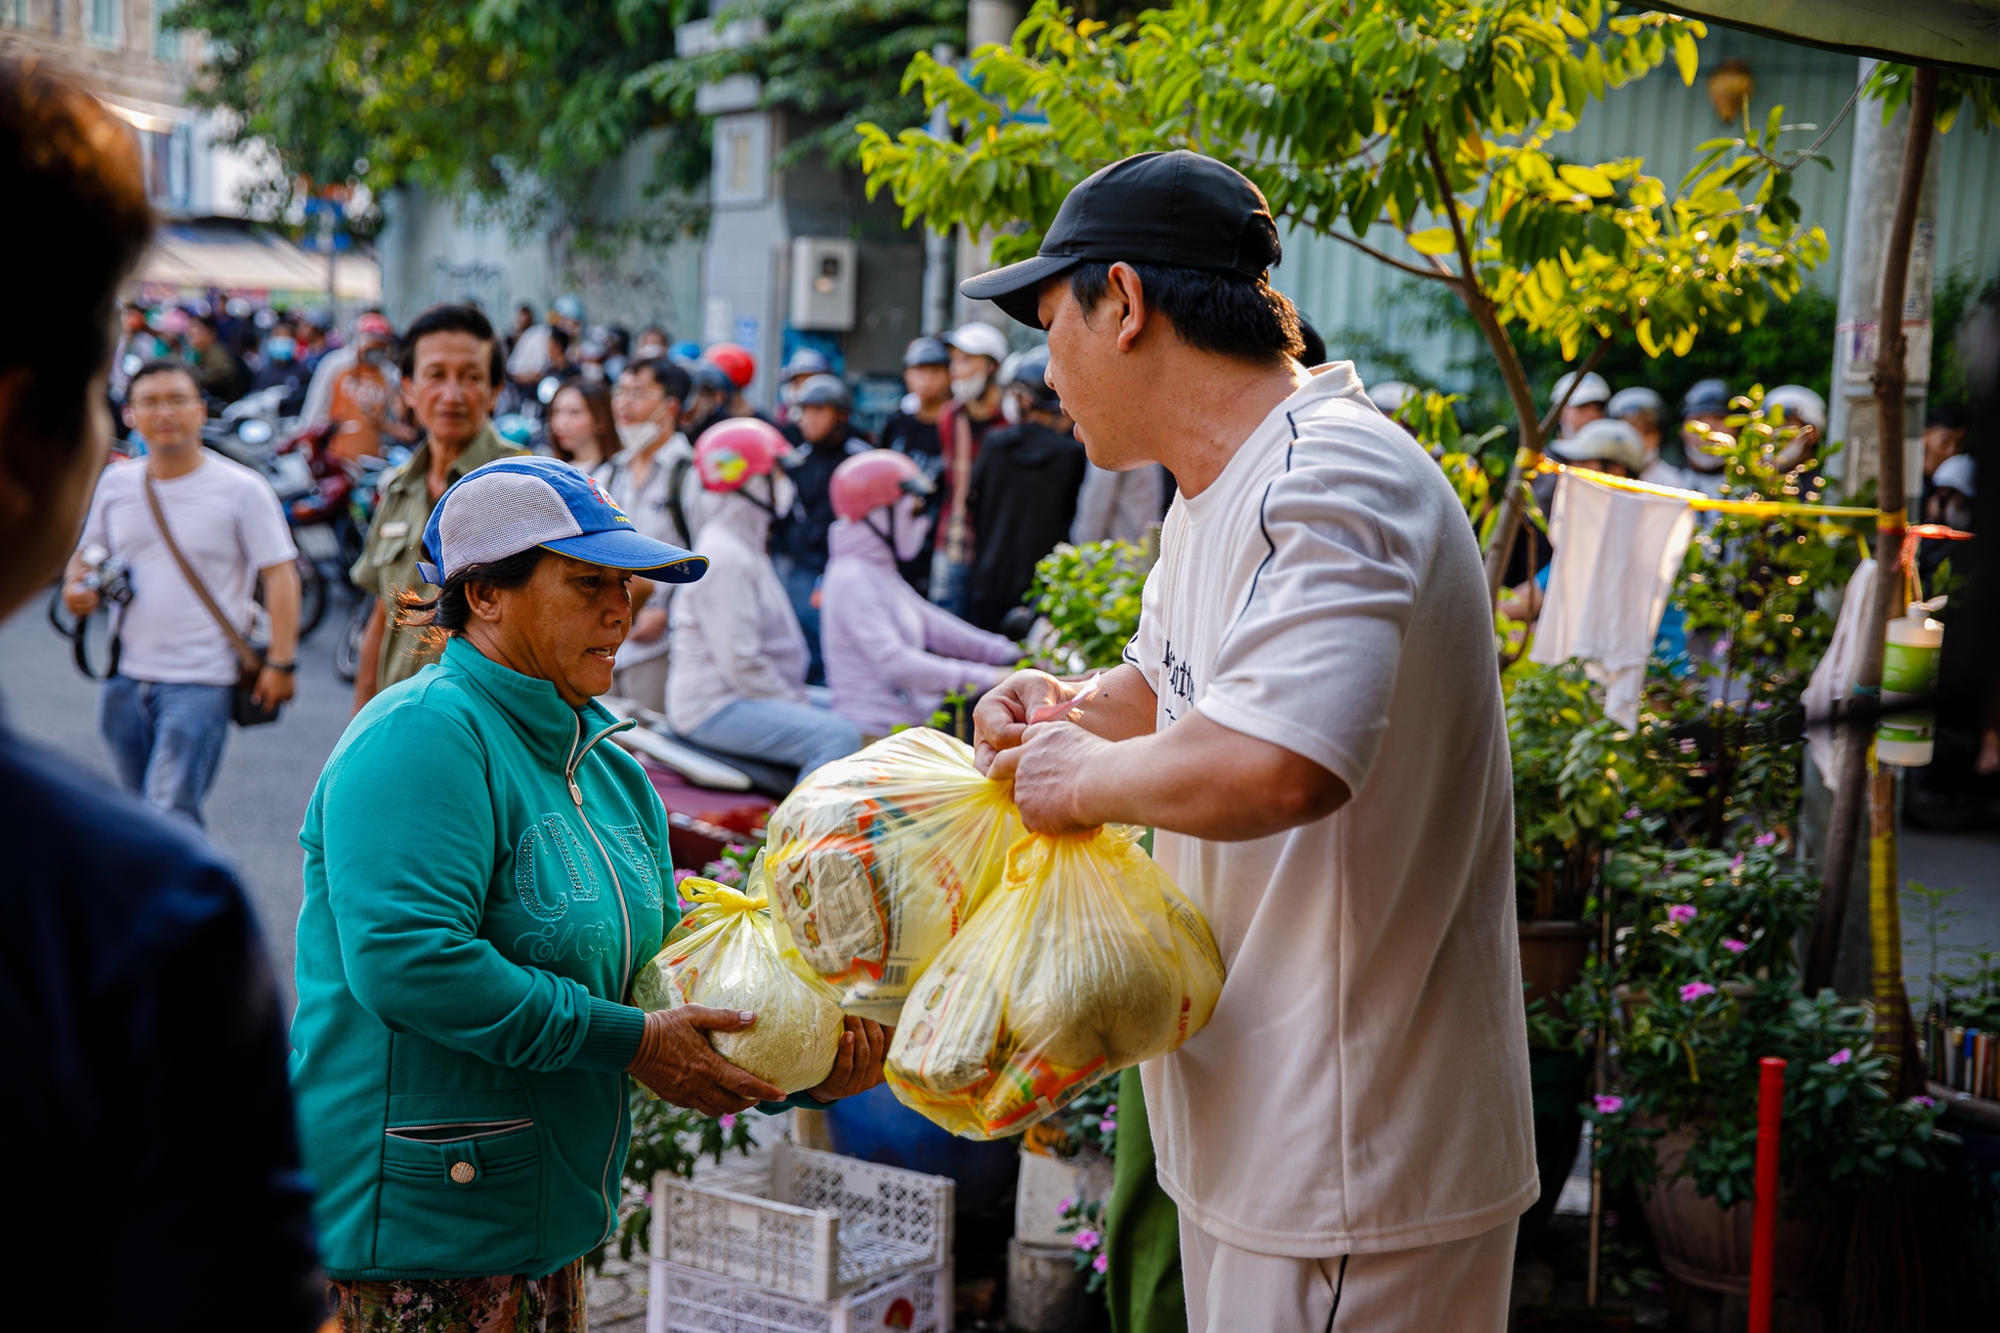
pixel 712 799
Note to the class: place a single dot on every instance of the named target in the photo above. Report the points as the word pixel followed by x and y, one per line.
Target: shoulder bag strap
pixel 252 660
pixel 676 479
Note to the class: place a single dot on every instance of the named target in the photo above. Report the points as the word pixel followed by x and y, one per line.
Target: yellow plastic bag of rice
pixel 1086 959
pixel 878 859
pixel 727 952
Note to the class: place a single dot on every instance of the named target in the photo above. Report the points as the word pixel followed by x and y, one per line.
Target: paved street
pixel 267 774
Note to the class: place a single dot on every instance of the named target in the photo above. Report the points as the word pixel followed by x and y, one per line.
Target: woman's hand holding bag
pixel 677 1063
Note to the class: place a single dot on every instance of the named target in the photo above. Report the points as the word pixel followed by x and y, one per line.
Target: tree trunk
pixel 1513 499
pixel 1850 797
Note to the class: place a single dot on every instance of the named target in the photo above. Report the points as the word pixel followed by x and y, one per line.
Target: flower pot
pixel 1553 954
pixel 1708 1246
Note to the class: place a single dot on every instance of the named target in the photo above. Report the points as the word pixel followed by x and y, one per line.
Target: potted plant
pixel 1702 983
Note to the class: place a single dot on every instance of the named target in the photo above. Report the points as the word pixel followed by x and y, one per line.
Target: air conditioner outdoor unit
pixel 823 280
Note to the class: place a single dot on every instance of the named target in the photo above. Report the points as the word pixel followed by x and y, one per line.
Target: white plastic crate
pixel 825 1226
pixel 680 1299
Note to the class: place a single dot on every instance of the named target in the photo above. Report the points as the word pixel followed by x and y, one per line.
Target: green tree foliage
pixel 1430 120
pixel 841 59
pixel 466 97
pixel 1793 345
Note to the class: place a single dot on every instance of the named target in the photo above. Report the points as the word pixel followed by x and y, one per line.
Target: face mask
pixel 908 528
pixel 969 390
pixel 279 349
pixel 639 434
pixel 1010 408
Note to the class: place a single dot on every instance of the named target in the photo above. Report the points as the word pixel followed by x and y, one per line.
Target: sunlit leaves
pixel 1347 117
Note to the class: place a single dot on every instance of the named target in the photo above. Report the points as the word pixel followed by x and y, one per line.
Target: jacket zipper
pixel 577 752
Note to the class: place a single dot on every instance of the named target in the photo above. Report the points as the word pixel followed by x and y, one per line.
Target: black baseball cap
pixel 1177 210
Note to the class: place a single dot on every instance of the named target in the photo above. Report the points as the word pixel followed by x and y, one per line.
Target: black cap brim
pixel 1017 288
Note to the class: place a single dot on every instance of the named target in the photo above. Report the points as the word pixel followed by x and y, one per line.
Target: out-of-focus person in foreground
pixel 152 1165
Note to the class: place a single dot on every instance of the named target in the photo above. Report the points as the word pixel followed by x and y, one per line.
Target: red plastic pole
pixel 1764 1217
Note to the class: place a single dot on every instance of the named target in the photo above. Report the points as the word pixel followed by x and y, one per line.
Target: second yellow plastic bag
pixel 1085 960
pixel 727 952
pixel 878 859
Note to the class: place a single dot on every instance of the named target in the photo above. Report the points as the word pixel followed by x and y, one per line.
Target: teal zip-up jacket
pixel 483 872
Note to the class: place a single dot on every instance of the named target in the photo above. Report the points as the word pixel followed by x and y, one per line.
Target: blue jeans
pixel 948 583
pixel 779 732
pixel 166 740
pixel 800 582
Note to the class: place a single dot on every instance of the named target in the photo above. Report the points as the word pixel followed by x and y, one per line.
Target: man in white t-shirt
pixel 649 480
pixel 1310 715
pixel 165 712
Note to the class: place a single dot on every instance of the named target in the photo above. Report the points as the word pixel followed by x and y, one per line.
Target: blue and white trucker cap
pixel 515 504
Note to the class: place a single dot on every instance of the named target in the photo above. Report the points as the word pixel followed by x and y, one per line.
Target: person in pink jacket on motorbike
pixel 891 656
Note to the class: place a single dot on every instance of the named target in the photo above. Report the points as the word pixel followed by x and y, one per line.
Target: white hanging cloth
pixel 1833 679
pixel 1617 554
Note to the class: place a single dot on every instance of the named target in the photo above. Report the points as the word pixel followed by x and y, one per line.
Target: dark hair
pixel 452 319
pixel 597 400
pixel 1315 353
pixel 160 367
pixel 1949 415
pixel 1223 313
pixel 559 337
pixel 676 382
pixel 448 613
pixel 77 224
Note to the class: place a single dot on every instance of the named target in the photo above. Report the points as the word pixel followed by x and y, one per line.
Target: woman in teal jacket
pixel 483 875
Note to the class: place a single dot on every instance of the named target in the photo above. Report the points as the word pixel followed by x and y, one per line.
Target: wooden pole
pixel 1850 796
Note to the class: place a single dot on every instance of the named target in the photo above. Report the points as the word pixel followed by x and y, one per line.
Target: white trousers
pixel 1460 1286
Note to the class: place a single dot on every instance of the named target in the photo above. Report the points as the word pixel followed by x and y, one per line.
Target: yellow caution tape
pixel 1696 500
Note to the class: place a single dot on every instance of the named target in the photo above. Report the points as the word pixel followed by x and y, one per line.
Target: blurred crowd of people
pixel 963 489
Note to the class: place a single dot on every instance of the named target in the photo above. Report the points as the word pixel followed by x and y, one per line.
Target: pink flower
pixel 1100 1263
pixel 1682 913
pixel 1633 813
pixel 1840 1057
pixel 1687 745
pixel 1086 1239
pixel 1694 990
pixel 1111 1109
pixel 727 1122
pixel 1607 1105
pixel 1066 1204
pixel 680 874
pixel 1763 839
pixel 1107 1125
pixel 1923 1101
pixel 1735 946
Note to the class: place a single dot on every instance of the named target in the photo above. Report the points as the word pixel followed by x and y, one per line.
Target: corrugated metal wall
pixel 1362 306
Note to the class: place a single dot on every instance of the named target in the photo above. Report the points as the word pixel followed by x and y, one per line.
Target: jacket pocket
pixel 461 1197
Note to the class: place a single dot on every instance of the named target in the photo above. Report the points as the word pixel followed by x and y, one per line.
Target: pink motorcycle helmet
pixel 874 480
pixel 731 452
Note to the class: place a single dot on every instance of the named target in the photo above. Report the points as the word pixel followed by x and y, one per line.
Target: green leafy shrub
pixel 1089 595
pixel 1702 984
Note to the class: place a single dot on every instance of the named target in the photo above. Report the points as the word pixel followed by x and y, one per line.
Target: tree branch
pixel 1589 364
pixel 1435 275
pixel 1512 505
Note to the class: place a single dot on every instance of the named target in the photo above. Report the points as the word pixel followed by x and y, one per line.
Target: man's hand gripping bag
pixel 1085 960
pixel 878 859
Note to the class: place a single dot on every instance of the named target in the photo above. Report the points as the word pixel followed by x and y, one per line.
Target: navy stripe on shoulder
pixel 1270 547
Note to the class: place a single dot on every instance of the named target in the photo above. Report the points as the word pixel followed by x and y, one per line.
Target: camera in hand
pixel 106 575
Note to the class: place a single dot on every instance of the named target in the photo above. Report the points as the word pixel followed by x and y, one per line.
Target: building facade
pixel 118 50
